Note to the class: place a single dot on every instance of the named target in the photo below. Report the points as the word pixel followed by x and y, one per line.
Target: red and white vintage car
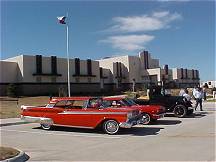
pixel 81 112
pixel 149 113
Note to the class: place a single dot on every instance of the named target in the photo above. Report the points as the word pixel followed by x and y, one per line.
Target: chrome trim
pixel 73 126
pixel 159 115
pixel 127 124
pixel 25 107
pixel 96 113
pixel 40 120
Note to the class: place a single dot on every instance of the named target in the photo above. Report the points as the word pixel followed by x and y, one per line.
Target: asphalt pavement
pixel 170 139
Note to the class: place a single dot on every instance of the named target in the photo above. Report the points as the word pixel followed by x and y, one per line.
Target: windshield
pixel 129 101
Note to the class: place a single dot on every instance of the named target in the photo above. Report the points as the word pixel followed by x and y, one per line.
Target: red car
pixel 149 113
pixel 81 112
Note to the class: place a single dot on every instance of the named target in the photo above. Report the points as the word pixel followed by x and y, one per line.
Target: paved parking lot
pixel 171 139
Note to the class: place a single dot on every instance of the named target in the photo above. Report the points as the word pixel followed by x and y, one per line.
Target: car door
pixel 75 114
pixel 95 115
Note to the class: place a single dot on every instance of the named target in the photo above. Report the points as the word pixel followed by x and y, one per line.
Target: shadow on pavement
pixel 140 131
pixel 198 114
pixel 167 122
pixel 135 131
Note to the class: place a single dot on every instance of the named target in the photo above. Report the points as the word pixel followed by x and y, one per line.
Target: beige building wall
pixel 134 69
pixel 19 61
pixel 8 72
pixel 107 76
pixel 155 72
pixel 152 63
pixel 27 65
pixel 110 63
pixel 22 71
pixel 177 76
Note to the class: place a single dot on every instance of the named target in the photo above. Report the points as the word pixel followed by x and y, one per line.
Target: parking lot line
pixel 61 134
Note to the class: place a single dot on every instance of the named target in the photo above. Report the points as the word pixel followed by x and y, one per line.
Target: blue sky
pixel 180 34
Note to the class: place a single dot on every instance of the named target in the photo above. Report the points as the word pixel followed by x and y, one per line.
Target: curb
pixel 21 157
pixel 15 123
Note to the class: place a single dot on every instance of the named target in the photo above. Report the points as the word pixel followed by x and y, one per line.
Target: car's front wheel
pixel 180 111
pixel 146 118
pixel 46 126
pixel 111 126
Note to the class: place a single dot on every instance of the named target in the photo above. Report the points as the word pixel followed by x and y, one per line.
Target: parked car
pixel 175 104
pixel 81 112
pixel 150 113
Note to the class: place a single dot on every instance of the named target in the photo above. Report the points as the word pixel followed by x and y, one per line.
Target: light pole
pixel 68 61
pixel 62 21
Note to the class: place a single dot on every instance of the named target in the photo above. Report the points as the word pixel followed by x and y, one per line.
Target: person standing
pixel 194 90
pixel 204 93
pixel 182 92
pixel 198 97
pixel 186 95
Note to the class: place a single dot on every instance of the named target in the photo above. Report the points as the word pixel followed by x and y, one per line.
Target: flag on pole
pixel 62 19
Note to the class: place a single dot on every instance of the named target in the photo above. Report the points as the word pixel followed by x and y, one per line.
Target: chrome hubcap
pixel 145 119
pixel 112 126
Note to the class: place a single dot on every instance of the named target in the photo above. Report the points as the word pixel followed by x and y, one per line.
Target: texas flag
pixel 61 19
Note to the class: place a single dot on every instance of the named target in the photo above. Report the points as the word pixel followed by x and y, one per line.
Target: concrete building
pixel 185 77
pixel 129 69
pixel 37 75
pixel 143 70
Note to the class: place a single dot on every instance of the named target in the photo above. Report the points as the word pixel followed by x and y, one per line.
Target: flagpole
pixel 68 61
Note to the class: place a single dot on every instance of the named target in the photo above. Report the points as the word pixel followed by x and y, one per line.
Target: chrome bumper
pixel 131 122
pixel 159 115
pixel 127 125
pixel 40 120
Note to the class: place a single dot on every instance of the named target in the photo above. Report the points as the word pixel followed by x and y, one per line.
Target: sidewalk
pixel 11 121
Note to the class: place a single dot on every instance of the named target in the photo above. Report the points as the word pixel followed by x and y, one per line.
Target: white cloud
pixel 132 42
pixel 129 42
pixel 154 21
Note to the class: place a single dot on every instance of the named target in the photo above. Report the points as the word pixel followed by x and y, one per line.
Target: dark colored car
pixel 176 104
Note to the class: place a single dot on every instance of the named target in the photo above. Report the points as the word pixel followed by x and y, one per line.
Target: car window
pixel 108 103
pixel 97 103
pixel 93 103
pixel 117 103
pixel 78 104
pixel 71 104
pixel 61 103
